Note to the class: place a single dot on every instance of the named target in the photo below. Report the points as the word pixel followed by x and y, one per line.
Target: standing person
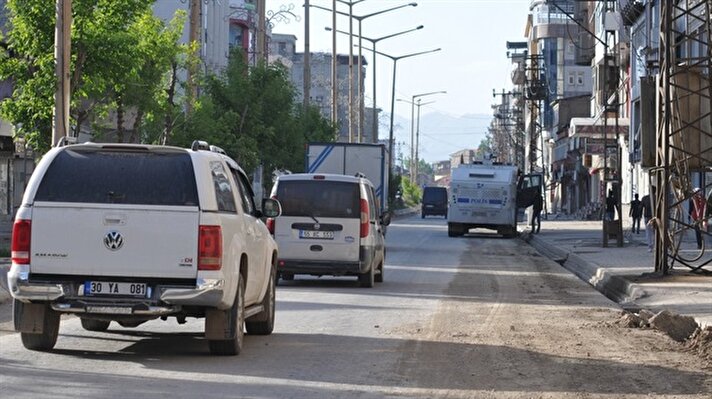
pixel 536 213
pixel 636 212
pixel 610 206
pixel 648 219
pixel 698 214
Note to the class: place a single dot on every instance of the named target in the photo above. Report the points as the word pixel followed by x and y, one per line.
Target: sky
pixel 471 33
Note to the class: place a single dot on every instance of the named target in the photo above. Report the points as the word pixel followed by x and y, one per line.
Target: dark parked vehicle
pixel 434 202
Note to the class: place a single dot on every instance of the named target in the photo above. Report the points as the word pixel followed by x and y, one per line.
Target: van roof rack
pixel 359 174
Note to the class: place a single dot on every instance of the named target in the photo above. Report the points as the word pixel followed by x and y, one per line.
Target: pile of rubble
pixel 682 329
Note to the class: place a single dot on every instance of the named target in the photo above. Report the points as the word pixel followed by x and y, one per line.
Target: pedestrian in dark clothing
pixel 610 206
pixel 536 213
pixel 636 212
pixel 648 219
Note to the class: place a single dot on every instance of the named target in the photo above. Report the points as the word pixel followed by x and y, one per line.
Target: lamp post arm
pixel 571 17
pixel 385 11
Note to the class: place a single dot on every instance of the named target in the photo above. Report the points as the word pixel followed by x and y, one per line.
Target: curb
pixel 614 287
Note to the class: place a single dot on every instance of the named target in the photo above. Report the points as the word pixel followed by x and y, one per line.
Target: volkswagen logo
pixel 113 240
pixel 316 226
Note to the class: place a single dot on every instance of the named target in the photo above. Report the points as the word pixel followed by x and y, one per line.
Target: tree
pixel 251 113
pixel 121 54
pixel 485 147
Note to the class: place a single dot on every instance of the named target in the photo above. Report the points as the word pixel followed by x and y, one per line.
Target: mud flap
pixel 29 317
pixel 219 324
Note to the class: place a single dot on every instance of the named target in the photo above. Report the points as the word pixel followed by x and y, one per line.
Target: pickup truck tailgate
pixel 111 240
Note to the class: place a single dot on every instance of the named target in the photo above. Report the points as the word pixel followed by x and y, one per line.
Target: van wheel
pixel 366 280
pixel 236 316
pixel 95 325
pixel 454 230
pixel 263 323
pixel 45 340
pixel 379 276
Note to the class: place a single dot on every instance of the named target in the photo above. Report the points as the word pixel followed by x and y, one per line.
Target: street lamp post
pixel 374 41
pixel 359 75
pixel 393 96
pixel 413 135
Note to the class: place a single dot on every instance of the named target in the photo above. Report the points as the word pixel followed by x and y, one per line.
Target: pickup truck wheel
pixel 263 323
pixel 366 280
pixel 95 325
pixel 45 340
pixel 232 347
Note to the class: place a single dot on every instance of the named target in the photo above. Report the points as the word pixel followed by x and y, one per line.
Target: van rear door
pixel 320 219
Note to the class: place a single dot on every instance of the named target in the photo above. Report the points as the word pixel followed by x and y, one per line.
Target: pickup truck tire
pixel 367 280
pixel 233 346
pixel 45 340
pixel 95 325
pixel 263 323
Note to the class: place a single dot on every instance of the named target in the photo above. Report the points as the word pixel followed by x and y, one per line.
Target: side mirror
pixel 271 208
pixel 386 218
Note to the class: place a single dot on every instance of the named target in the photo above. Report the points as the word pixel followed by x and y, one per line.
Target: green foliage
pixel 251 113
pixel 120 56
pixel 485 147
pixel 412 194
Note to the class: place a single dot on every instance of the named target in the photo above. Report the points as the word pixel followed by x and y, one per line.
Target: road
pixel 472 317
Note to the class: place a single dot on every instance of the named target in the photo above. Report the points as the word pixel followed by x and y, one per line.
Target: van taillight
pixel 364 218
pixel 20 247
pixel 210 248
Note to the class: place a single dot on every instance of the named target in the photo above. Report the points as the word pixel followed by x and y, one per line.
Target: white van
pixel 330 225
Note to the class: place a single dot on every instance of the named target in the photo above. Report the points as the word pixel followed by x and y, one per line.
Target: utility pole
pixel 261 31
pixel 62 53
pixel 194 40
pixel 334 76
pixel 307 57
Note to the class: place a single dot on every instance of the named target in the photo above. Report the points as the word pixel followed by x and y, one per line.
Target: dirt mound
pixel 701 343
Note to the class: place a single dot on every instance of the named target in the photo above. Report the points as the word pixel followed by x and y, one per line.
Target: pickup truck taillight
pixel 364 218
pixel 20 248
pixel 210 248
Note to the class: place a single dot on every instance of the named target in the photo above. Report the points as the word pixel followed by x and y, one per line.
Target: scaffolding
pixel 684 137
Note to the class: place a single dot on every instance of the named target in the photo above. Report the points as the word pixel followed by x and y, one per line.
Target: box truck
pixel 369 160
pixel 487 195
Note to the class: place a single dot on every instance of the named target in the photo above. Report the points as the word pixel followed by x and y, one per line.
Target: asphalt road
pixel 471 317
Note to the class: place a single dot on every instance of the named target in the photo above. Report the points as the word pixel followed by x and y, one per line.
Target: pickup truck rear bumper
pixel 65 296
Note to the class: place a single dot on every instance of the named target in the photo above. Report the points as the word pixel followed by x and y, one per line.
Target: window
pixel 120 177
pixel 319 198
pixel 579 78
pixel 223 190
pixel 571 78
pixel 248 203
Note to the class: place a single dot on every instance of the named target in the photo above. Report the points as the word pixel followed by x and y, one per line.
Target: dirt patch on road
pixel 535 330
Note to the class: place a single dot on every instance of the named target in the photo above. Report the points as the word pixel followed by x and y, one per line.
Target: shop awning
pixel 593 127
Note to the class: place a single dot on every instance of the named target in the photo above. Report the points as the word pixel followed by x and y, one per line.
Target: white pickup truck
pixel 130 233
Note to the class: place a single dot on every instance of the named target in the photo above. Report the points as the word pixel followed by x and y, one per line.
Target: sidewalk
pixel 624 274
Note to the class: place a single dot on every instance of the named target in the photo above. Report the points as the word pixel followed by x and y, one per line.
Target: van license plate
pixel 115 288
pixel 324 235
